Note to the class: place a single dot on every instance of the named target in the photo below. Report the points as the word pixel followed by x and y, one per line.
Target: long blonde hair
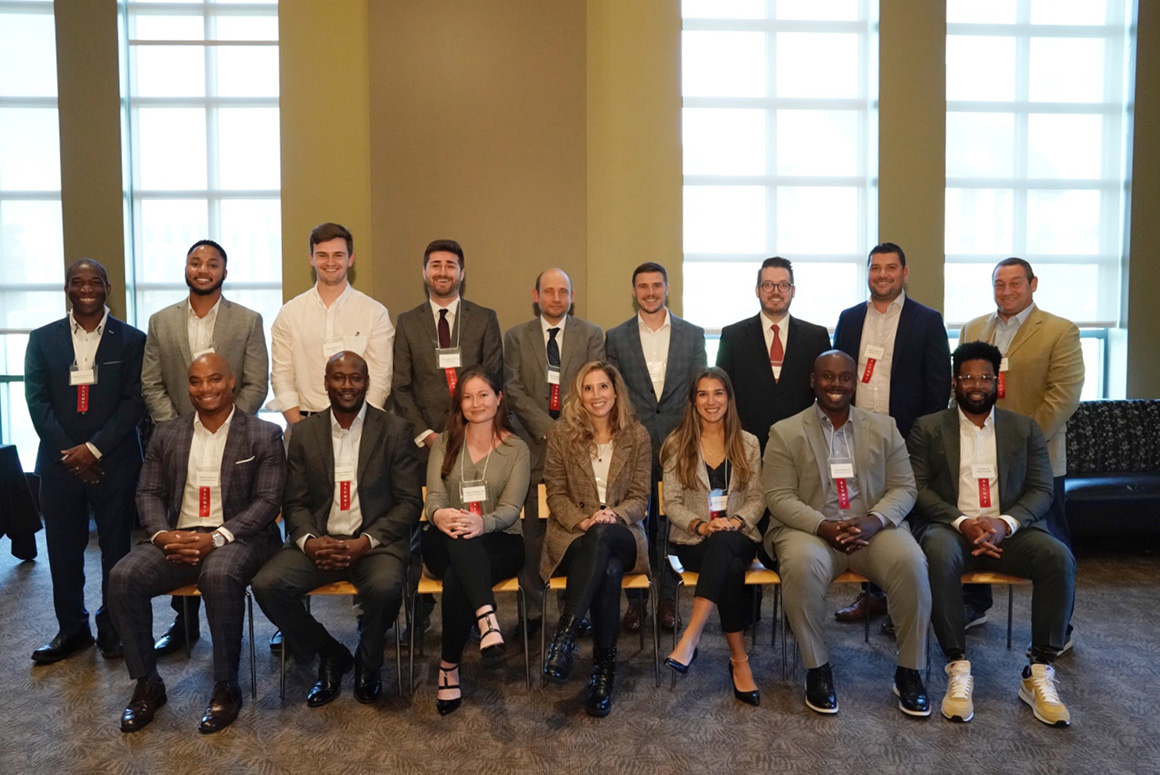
pixel 682 448
pixel 575 423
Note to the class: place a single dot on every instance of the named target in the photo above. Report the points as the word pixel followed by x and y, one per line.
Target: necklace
pixel 601 450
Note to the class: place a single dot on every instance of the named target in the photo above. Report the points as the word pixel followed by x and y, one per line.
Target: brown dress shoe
pixel 668 615
pixel 857 610
pixel 633 616
pixel 148 696
pixel 223 708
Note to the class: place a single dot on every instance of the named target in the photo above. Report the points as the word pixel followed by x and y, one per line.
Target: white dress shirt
pixel 1005 331
pixel 206 449
pixel 200 330
pixel 977 448
pixel 878 330
pixel 345 445
pixel 655 347
pixel 85 344
pixel 767 324
pixel 545 325
pixel 304 332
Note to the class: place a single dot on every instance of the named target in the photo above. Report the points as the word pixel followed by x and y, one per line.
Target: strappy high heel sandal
pixel 493 654
pixel 447 706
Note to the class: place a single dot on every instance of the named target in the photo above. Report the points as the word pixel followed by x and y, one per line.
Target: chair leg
pixel 411 649
pixel 187 625
pixel 866 618
pixel 654 601
pixel 676 601
pixel 543 632
pixel 253 658
pixel 282 676
pixel 523 613
pixel 399 655
pixel 1010 600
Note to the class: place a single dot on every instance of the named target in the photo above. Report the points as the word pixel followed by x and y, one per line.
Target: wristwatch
pixel 219 540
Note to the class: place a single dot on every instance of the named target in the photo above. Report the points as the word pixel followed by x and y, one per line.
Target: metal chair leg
pixel 523 608
pixel 654 601
pixel 1010 600
pixel 411 650
pixel 676 591
pixel 399 655
pixel 866 618
pixel 253 657
pixel 187 626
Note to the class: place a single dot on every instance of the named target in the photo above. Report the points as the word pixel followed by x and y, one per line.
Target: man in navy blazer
pixel 658 354
pixel 82 383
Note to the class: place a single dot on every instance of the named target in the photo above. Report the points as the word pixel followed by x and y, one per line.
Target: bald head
pixel 553 294
pixel 833 381
pixel 346 384
pixel 211 386
pixel 85 263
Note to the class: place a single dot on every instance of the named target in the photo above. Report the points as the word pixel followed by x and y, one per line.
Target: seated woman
pixel 597 474
pixel 477 478
pixel 713 499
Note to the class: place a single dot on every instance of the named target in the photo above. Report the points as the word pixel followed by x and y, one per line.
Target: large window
pixel 31 237
pixel 202 129
pixel 780 152
pixel 1038 100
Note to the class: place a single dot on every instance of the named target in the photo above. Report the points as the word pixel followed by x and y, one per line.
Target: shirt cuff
pixel 153 537
pixel 374 541
pixel 226 534
pixel 881 518
pixel 958 523
pixel 92 448
pixel 287 401
pixel 1011 522
pixel 302 541
pixel 419 439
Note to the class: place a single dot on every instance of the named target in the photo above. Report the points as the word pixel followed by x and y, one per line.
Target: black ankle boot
pixel 600 685
pixel 558 664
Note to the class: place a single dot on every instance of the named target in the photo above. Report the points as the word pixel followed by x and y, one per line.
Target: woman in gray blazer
pixel 597 474
pixel 713 499
pixel 477 479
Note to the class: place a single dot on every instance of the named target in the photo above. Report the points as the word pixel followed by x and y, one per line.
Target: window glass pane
pixel 1068 290
pixel 980 145
pixel 168 71
pixel 724 141
pixel 247 71
pixel 1087 12
pixel 1093 364
pixel 818 142
pixel 817 220
pixel 980 11
pixel 251 233
pixel 166 27
pixel 29 149
pixel 167 227
pixel 724 219
pixel 12 346
pixel 31 309
pixel 27 55
pixel 723 9
pixel 830 10
pixel 31 242
pixel 18 428
pixel 707 283
pixel 968 292
pixel 823 290
pixel 246 28
pixel 1065 222
pixel 722 64
pixel 980 68
pixel 979 221
pixel 171 148
pixel 816 65
pixel 248 148
pixel 1064 146
pixel 1067 70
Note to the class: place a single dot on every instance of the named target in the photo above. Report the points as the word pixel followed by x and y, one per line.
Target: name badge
pixel 983 472
pixel 873 355
pixel 554 402
pixel 205 479
pixel 474 494
pixel 843 493
pixel 553 376
pixel 206 351
pixel 448 357
pixel 343 476
pixel 82 377
pixel 332 346
pixel 841 470
pixel 656 370
pixel 1003 365
pixel 1003 378
pixel 718 503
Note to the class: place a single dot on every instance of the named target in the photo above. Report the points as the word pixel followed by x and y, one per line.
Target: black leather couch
pixel 1113 469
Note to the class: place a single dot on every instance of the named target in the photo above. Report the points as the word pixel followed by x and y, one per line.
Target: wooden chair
pixel 191 590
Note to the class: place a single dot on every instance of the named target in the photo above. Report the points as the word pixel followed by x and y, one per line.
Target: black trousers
pixel 469 568
pixel 720 562
pixel 595 565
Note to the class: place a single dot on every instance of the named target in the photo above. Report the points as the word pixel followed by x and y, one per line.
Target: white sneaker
pixel 957 704
pixel 1039 691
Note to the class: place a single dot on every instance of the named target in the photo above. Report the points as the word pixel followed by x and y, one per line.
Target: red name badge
pixel 344 496
pixel 984 493
pixel 843 493
pixel 476 508
pixel 869 372
pixel 82 398
pixel 203 501
pixel 452 380
pixel 1002 385
pixel 554 401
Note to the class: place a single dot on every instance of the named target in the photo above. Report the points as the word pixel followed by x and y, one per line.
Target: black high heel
pixel 490 656
pixel 447 706
pixel 749 698
pixel 680 667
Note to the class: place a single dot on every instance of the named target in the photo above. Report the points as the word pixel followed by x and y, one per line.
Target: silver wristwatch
pixel 219 540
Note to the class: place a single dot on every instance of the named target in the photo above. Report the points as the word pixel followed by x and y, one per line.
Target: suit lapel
pixel 619 456
pixel 181 444
pixel 902 335
pixel 570 351
pixel 755 335
pixel 322 441
pixel 372 430
pixel 534 344
pixel 1026 331
pixel 950 442
pixel 862 452
pixel 637 366
pixel 817 440
pixel 233 451
pixel 180 333
pixel 107 349
pixel 676 357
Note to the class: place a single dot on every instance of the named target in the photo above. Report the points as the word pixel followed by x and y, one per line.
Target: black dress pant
pixel 469 567
pixel 720 562
pixel 595 564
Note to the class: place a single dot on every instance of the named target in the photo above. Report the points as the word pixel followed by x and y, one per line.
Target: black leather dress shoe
pixel 276 642
pixel 174 638
pixel 109 642
pixel 332 666
pixel 600 685
pixel 368 683
pixel 147 698
pixel 820 695
pixel 911 693
pixel 224 704
pixel 62 646
pixel 633 616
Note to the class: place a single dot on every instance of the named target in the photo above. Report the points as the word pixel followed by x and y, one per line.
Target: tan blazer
pixel 1045 374
pixel 683 506
pixel 572 494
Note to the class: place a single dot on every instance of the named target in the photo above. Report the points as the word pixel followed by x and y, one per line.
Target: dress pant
pixel 222 578
pixel 720 562
pixel 281 585
pixel 893 560
pixel 65 502
pixel 595 564
pixel 533 529
pixel 1031 554
pixel 469 568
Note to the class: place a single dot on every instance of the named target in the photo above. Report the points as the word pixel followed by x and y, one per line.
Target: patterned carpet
pixel 63 717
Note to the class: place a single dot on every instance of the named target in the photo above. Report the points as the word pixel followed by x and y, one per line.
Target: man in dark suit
pixel 657 353
pixel 541 359
pixel 904 365
pixel 208 497
pixel 984 486
pixel 200 323
pixel 769 357
pixel 82 382
pixel 353 496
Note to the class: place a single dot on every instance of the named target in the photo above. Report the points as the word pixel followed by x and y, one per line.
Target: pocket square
pixel 247 460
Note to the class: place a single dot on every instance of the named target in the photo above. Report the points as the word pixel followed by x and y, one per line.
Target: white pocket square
pixel 247 460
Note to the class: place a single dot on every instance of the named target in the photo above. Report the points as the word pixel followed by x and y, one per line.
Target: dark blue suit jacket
pixel 920 375
pixel 115 402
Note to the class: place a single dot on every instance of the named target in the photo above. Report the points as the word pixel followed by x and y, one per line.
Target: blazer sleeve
pixel 752 507
pixel 1039 487
pixel 677 513
pixel 255 376
pixel 511 499
pixel 725 354
pixel 842 332
pixel 595 343
pixel 1065 375
pixel 700 357
pixel 634 506
pixel 266 488
pixel 927 463
pixel 936 354
pixel 779 476
pixel 563 509
pixel 493 348
pixel 611 350
pixel 436 488
pixel 403 379
pixel 38 396
pixel 535 419
pixel 406 482
pixel 131 406
pixel 157 401
pixel 898 499
pixel 152 490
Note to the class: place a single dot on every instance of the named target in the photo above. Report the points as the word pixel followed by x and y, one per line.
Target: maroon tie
pixel 444 330
pixel 776 351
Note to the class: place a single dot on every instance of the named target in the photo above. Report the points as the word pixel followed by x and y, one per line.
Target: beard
pixel 981 406
pixel 199 291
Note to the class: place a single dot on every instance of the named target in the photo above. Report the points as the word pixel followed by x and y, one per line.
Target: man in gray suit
pixel 541 359
pixel 838 485
pixel 984 489
pixel 657 353
pixel 203 322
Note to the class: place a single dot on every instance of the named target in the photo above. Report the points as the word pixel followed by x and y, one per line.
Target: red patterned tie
pixel 776 351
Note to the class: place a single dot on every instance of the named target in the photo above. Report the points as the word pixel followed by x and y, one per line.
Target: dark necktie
pixel 553 361
pixel 444 330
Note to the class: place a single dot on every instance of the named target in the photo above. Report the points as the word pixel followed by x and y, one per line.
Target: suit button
pixel 658 411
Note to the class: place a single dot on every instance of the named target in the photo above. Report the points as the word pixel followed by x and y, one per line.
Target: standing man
pixel 204 322
pixel 838 485
pixel 657 353
pixel 904 364
pixel 541 359
pixel 82 383
pixel 329 318
pixel 353 496
pixel 209 493
pixel 769 357
pixel 984 485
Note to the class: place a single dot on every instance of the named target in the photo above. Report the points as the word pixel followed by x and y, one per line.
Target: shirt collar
pixel 76 327
pixel 212 310
pixel 782 322
pixel 965 422
pixel 358 420
pixel 544 325
pixel 824 418
pixel 339 300
pixel 646 328
pixel 452 308
pixel 197 423
pixel 896 304
pixel 1019 319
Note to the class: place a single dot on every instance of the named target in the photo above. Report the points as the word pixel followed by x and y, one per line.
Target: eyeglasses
pixel 986 379
pixel 769 287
